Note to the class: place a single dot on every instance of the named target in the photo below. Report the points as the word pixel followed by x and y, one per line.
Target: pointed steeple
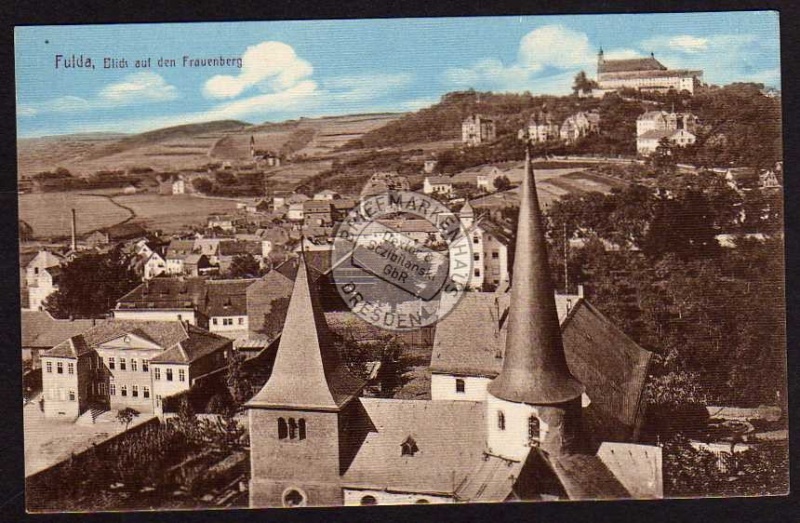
pixel 307 373
pixel 534 368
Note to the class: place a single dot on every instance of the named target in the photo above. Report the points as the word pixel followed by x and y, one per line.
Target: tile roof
pixel 631 64
pixel 450 436
pixel 166 293
pixel 226 297
pixel 440 180
pixel 40 329
pixel 237 248
pixel 72 348
pixel 262 300
pixel 655 134
pixel 179 249
pixel 491 481
pixel 323 206
pixel 199 343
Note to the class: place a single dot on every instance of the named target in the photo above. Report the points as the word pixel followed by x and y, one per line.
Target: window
pixel 145 366
pixel 70 368
pixel 72 395
pixel 477 273
pixel 181 375
pixel 495 255
pixel 157 373
pixel 158 401
pixel 123 390
pixel 111 363
pixel 294 498
pixel 369 500
pixel 50 367
pixel 169 374
pixel 408 447
pixel 476 239
pixel 122 364
pixel 134 365
pixel 112 389
pixel 283 429
pixel 145 392
pixel 214 321
pixel 292 428
pixel 301 428
pixel 135 391
pixel 460 386
pixel 476 256
pixel 60 367
pixel 227 321
pixel 501 420
pixel 241 321
pixel 533 430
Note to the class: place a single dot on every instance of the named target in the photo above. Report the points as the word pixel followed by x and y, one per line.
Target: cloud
pixel 269 66
pixel 367 86
pixel 724 58
pixel 142 86
pixel 548 58
pixel 136 88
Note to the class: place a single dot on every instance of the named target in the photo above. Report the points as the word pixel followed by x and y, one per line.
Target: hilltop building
pixel 644 74
pixel 316 442
pixel 477 129
pixel 542 127
pixel 654 126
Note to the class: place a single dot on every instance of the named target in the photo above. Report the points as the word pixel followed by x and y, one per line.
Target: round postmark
pixel 401 260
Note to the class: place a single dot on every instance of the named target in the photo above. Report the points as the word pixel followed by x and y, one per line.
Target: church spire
pixel 307 373
pixel 534 368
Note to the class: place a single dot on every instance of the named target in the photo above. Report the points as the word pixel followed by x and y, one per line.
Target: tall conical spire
pixel 534 368
pixel 307 373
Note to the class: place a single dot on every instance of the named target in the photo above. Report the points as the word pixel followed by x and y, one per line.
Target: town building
pixel 225 222
pixel 41 277
pixel 327 194
pixel 654 126
pixel 524 441
pixel 295 212
pixel 120 364
pixel 429 166
pixel 115 234
pixel 41 332
pixel 490 245
pixel 477 129
pixel 485 179
pixel 579 125
pixel 318 213
pixel 644 74
pixel 440 185
pixel 177 252
pixel 542 126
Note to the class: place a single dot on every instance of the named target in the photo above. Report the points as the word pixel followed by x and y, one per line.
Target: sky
pixel 333 67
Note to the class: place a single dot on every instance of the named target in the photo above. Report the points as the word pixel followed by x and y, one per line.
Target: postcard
pixel 323 263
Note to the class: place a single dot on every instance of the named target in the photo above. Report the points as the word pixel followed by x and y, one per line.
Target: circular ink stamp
pixel 401 260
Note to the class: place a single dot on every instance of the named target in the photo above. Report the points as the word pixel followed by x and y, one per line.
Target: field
pixel 49 213
pixel 171 213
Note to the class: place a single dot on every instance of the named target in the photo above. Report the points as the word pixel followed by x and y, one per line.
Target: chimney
pixel 74 231
pixel 580 291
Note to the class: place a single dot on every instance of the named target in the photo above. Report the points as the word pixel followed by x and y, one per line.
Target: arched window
pixel 460 385
pixel 283 431
pixel 292 428
pixel 294 498
pixel 301 428
pixel 369 500
pixel 501 420
pixel 533 431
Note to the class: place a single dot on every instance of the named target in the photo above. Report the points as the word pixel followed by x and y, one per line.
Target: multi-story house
pixel 542 127
pixel 177 252
pixel 654 126
pixel 477 129
pixel 134 364
pixel 490 251
pixel 41 277
pixel 579 125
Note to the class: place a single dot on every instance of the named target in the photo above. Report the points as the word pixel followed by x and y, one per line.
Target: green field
pixel 49 213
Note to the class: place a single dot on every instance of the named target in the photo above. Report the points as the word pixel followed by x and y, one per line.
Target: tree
pixel 91 284
pixel 126 416
pixel 203 185
pixel 236 380
pixel 244 266
pixel 583 84
pixel 502 183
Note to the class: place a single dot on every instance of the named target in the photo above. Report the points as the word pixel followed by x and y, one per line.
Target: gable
pixel 129 341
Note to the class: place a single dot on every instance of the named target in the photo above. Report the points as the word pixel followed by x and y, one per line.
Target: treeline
pixel 349 176
pixel 713 316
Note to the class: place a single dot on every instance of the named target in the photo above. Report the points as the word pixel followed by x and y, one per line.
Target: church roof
pixel 307 373
pixel 535 369
pixel 610 364
pixel 629 65
pixel 449 435
pixel 491 481
pixel 585 476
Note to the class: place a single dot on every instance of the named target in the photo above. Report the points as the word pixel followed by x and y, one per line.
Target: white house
pixel 441 185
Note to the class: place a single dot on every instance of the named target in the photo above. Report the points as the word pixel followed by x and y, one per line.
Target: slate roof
pixel 585 476
pixel 40 329
pixel 237 248
pixel 261 299
pixel 166 293
pixel 440 180
pixel 180 249
pixel 631 64
pixel 491 481
pixel 72 348
pixel 307 372
pixel 198 344
pixel 611 366
pixel 449 435
pixel 226 297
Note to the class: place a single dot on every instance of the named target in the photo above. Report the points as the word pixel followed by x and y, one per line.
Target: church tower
pixel 252 147
pixel 299 437
pixel 600 63
pixel 534 401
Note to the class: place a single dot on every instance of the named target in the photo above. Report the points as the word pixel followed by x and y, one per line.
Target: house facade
pixel 654 126
pixel 542 127
pixel 477 129
pixel 490 246
pixel 41 277
pixel 122 364
pixel 441 185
